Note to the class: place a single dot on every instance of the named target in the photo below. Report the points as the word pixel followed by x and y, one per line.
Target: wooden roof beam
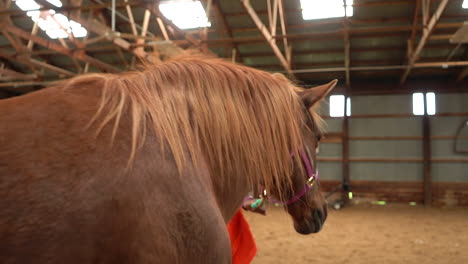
pixel 32 62
pixel 131 19
pixel 80 55
pixel 381 31
pixel 154 9
pixel 233 51
pixel 267 35
pixel 386 67
pixel 7 74
pixel 12 39
pixel 283 24
pixel 425 36
pixel 51 67
pixel 414 30
pixel 144 30
pixel 462 74
pixel 71 37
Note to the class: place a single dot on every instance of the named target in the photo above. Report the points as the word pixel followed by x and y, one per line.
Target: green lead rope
pixel 257 203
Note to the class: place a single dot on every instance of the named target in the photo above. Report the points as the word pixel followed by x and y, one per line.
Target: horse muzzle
pixel 312 224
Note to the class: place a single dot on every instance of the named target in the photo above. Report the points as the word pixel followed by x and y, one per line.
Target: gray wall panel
pixel 451 103
pixel 381 104
pixel 446 125
pixel 330 150
pixel 407 126
pixel 333 125
pixel 449 172
pixel 385 127
pixel 443 148
pixel 330 171
pixel 386 149
pixel 386 171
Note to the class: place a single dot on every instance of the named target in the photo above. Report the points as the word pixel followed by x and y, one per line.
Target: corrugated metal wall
pixel 391 116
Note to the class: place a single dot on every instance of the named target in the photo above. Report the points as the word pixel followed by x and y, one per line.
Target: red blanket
pixel 242 241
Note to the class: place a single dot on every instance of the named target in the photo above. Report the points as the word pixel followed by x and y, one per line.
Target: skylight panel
pixel 55 25
pixel 27 5
pixel 318 9
pixel 56 3
pixel 185 14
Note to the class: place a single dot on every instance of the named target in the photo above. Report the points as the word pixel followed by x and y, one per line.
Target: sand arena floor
pixel 366 234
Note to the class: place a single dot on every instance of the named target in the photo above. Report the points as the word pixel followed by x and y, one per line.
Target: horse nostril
pixel 318 215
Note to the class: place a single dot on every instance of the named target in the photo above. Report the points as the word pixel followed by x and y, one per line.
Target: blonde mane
pixel 242 121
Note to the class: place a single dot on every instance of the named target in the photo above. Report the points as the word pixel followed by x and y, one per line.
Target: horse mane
pixel 242 121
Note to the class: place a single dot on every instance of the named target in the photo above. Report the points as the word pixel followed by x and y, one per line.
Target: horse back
pixel 69 196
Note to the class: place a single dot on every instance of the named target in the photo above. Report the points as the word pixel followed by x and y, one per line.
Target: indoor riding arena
pixel 391 155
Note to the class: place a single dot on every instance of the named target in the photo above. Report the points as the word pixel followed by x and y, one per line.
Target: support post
pixel 345 150
pixel 427 156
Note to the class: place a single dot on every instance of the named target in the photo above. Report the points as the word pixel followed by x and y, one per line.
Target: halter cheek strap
pixel 312 177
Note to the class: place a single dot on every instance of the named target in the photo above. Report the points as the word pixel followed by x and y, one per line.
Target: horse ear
pixel 311 96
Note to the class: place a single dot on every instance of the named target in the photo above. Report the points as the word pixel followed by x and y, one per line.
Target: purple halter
pixel 312 176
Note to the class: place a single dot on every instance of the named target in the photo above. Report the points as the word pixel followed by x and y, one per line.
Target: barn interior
pixel 396 141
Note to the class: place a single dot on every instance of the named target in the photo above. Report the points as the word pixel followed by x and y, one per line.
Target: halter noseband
pixel 312 177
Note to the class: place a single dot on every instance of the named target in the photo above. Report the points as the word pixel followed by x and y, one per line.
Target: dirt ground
pixel 366 234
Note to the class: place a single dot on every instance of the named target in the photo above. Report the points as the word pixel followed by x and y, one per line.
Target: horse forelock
pixel 242 121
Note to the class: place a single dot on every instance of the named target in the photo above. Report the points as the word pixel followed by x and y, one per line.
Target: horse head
pixel 304 201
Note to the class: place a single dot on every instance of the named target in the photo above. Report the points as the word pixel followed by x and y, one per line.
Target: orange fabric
pixel 242 242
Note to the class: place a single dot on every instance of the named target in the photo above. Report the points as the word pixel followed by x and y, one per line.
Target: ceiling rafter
pixel 387 34
pixel 13 40
pixel 227 32
pixel 284 24
pixel 33 62
pixel 154 9
pixel 379 31
pixel 8 75
pixel 80 55
pixel 267 36
pixel 427 30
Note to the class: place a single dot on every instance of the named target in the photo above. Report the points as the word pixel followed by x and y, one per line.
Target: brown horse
pixel 149 166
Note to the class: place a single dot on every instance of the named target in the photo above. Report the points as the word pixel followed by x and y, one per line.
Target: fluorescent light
pixel 55 25
pixel 185 14
pixel 465 4
pixel 317 9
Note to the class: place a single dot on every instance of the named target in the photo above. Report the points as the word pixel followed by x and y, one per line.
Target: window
pixel 465 4
pixel 418 103
pixel 337 106
pixel 317 9
pixel 54 24
pixel 185 13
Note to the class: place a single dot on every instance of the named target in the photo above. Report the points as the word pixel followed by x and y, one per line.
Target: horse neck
pixel 230 194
